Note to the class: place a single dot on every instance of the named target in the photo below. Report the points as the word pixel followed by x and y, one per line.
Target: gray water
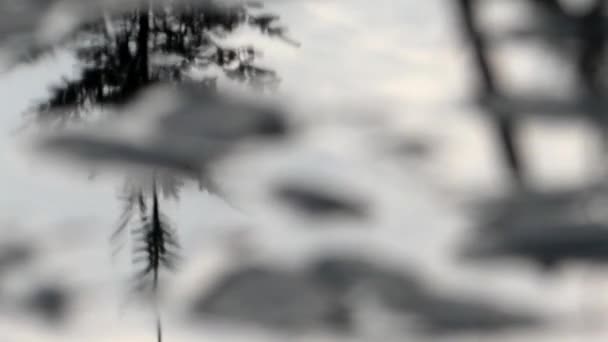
pixel 368 77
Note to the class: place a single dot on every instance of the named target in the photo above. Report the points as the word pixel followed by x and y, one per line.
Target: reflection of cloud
pixel 332 13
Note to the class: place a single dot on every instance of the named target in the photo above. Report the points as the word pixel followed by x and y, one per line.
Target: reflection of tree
pixel 127 53
pixel 155 243
pixel 124 54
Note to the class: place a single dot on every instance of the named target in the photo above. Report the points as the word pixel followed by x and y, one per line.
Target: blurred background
pixel 303 170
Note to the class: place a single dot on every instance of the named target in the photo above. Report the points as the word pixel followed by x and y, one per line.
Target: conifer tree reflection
pixel 124 54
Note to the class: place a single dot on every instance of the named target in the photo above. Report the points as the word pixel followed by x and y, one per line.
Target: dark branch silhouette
pixel 506 128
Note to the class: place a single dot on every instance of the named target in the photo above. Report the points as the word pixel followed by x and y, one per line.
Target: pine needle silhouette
pixel 155 245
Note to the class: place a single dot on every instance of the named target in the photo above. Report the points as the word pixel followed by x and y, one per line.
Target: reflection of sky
pixel 395 62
